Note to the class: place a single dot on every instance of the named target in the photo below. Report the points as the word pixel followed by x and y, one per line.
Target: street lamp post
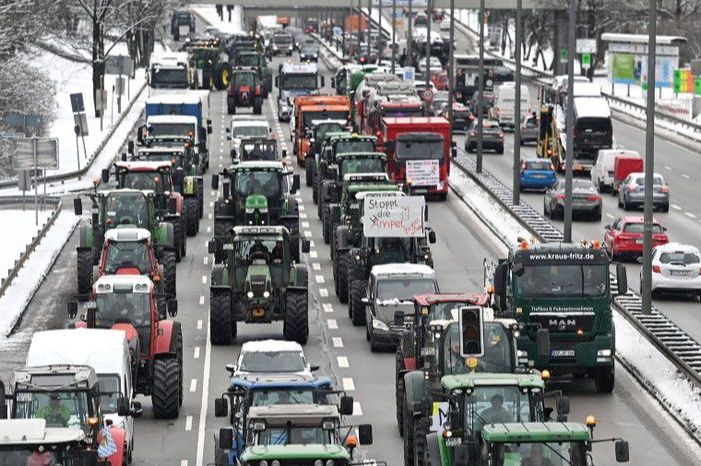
pixel 569 150
pixel 408 61
pixel 451 68
pixel 394 35
pixel 480 90
pixel 517 104
pixel 429 14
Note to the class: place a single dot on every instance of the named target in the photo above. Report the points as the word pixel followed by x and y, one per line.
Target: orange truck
pixel 315 107
pixel 355 23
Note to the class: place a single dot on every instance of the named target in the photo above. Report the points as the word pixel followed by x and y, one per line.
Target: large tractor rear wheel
pixel 296 327
pixel 357 308
pixel 221 228
pixel 257 106
pixel 220 318
pixel 169 272
pixel 344 267
pixel 178 239
pixel 200 201
pixel 84 271
pixel 165 392
pixel 399 388
pixel 192 216
pixel 222 76
pixel 309 172
pixel 179 356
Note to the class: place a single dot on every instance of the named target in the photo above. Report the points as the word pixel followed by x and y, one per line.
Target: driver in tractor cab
pixel 496 413
pixel 122 307
pixel 54 413
pixel 257 152
pixel 536 457
pixel 258 252
pixel 457 361
pixel 391 249
pixel 278 252
pixel 38 458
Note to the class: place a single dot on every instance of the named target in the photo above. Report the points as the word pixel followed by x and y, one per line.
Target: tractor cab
pixel 127 207
pixel 156 176
pixel 360 162
pixel 128 251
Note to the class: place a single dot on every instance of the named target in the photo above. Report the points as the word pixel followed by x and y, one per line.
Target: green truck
pixel 566 289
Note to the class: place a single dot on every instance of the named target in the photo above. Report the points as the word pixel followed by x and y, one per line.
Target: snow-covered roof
pixel 296 411
pixel 328 121
pixel 34 431
pixel 174 98
pixel 292 68
pixel 107 283
pixel 127 234
pixel 162 119
pixel 677 247
pixel 642 38
pixel 586 89
pixel 402 269
pixel 591 107
pixel 272 346
pixel 265 164
pixel 363 194
pixel 101 349
pixel 142 165
pixel 249 122
pixel 157 57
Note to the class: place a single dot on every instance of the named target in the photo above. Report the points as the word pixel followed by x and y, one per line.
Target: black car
pixel 492 136
pixel 308 53
pixel 585 200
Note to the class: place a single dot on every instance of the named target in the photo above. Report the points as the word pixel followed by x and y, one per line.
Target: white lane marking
pixel 675 207
pixel 313 254
pixel 205 260
pixel 302 215
pixel 183 462
pixel 609 215
pixel 348 384
pixel 196 354
pixel 689 214
pixel 342 361
pixel 319 278
pixel 333 325
pixel 206 243
pixel 305 224
pixel 357 410
pixel 685 176
pixel 211 204
pixel 301 207
pixel 209 229
pixel 667 167
pixel 188 423
pixel 307 234
pixel 214 193
pixel 204 279
pixel 209 216
pixel 323 292
pixel 199 324
pixel 316 266
pixel 201 300
pixel 328 307
pixel 205 397
pixel 311 244
pixel 337 342
pixel 193 385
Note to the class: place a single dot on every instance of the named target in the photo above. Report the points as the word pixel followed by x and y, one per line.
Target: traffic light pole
pixel 409 38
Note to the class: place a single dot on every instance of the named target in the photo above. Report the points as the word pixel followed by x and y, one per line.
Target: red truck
pixel 624 165
pixel 418 151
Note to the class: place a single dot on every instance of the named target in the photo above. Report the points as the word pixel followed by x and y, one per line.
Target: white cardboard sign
pixel 393 217
pixel 424 173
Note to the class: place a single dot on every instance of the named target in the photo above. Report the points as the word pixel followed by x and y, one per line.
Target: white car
pixel 246 128
pixel 676 268
pixel 262 358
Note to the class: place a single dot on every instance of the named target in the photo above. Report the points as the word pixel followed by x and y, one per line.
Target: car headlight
pixel 263 463
pixel 266 294
pixel 290 47
pixel 379 325
pixel 249 294
pixel 604 353
pixel 316 55
pixel 276 463
pixel 329 462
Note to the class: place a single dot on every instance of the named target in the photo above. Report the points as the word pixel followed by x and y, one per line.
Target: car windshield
pixel 323 129
pixel 496 404
pixel 109 392
pixel 404 288
pixel 294 435
pixel 552 280
pixel 411 150
pixel 127 254
pixel 299 81
pixel 542 454
pixel 243 79
pixel 656 180
pixel 248 59
pixel 128 308
pixel 310 116
pixel 360 165
pixel 309 50
pixel 170 129
pixel 638 228
pixel 154 181
pixel 272 361
pixel 162 77
pixel 282 39
pixel 242 131
pixel 497 351
pixel 174 157
pixel 679 257
pixel 283 397
pixel 259 151
pixel 354 145
pixel 265 182
pixel 58 408
pixel 539 165
pixel 127 209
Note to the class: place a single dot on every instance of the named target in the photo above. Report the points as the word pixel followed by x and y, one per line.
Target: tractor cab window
pixel 170 129
pixel 550 453
pixel 445 311
pixel 395 250
pixel 127 308
pixel 258 151
pixel 265 182
pixel 127 254
pixel 109 392
pixel 260 250
pixel 127 209
pixel 248 59
pixel 284 397
pixel 325 128
pixel 497 351
pixel 59 408
pixel 407 149
pixel 404 288
pixel 244 79
pixel 355 145
pixel 494 405
pixel 299 81
pixel 360 165
pixel 153 181
pixel 294 435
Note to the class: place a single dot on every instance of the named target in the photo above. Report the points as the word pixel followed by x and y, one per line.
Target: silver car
pixel 632 193
pixel 585 200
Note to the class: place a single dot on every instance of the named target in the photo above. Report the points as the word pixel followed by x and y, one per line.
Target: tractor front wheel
pixel 357 308
pixel 257 106
pixel 296 327
pixel 169 272
pixel 178 239
pixel 344 266
pixel 220 318
pixel 165 392
pixel 309 172
pixel 192 218
pixel 84 271
pixel 399 388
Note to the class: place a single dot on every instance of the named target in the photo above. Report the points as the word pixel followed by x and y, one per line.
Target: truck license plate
pixel 562 353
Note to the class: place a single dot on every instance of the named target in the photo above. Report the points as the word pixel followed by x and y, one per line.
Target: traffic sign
pixel 564 54
pixel 119 64
pixel 586 45
pixel 22 122
pixel 35 153
pixel 77 104
pixel 586 60
pixel 409 73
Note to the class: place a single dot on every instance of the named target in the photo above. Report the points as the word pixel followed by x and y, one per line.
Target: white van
pixel 504 108
pixel 107 352
pixel 602 172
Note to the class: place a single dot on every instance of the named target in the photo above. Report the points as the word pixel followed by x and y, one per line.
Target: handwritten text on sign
pixel 393 217
pixel 422 172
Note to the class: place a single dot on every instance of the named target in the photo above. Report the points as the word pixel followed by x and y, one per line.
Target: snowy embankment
pixel 15 240
pixel 208 13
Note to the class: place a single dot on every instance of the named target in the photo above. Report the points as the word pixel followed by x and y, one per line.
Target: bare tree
pixel 22 23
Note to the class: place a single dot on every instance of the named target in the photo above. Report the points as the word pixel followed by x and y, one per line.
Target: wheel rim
pixel 225 77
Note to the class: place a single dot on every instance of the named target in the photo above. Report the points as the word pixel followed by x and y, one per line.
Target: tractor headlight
pixel 276 463
pixel 379 325
pixel 266 294
pixel 249 294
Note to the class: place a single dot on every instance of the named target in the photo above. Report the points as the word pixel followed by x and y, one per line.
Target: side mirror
pixel 284 153
pixel 123 406
pixel 563 406
pixel 432 237
pixel 543 342
pixel 622 275
pixel 323 81
pixel 211 247
pixel 209 130
pixel 72 309
pixel 173 307
pixel 228 130
pixel 136 409
pixel 314 367
pixel 365 434
pixel 124 156
pixel 226 438
pixel 221 407
pixel 305 246
pixel 215 182
pixel 622 451
pixel 346 408
pixel 425 213
pixel 226 191
pixel 105 175
pixel 78 206
pixel 333 82
pixel 130 147
pixel 230 368
pixel 295 183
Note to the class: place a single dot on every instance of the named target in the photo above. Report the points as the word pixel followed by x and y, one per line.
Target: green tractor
pixel 258 281
pixel 205 58
pixel 319 134
pixel 120 207
pixel 255 193
pixel 255 60
pixel 336 143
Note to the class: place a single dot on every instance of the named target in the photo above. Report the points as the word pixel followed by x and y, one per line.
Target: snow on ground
pixel 32 274
pixel 15 240
pixel 72 77
pixel 209 14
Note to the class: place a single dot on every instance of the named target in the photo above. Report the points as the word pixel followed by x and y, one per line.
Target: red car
pixel 625 236
pixel 440 80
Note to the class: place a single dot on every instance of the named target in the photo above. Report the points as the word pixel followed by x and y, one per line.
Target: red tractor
pixel 128 250
pixel 245 90
pixel 129 303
